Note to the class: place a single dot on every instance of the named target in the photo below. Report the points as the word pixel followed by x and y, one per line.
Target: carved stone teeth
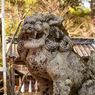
pixel 39 22
pixel 35 34
pixel 28 31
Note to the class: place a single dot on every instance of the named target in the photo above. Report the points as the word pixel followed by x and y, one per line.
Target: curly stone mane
pixel 46 29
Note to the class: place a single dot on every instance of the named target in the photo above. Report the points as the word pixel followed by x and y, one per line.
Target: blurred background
pixel 79 16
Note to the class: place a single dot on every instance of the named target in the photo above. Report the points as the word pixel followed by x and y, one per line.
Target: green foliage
pixel 10 27
pixel 1 64
pixel 14 10
pixel 79 11
pixel 16 1
pixel 29 2
pixel 80 14
pixel 72 2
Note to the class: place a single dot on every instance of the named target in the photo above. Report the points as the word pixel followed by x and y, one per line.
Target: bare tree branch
pixel 70 23
pixel 17 31
pixel 24 77
pixel 13 37
pixel 1 89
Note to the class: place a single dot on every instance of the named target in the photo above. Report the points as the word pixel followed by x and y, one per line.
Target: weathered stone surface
pixel 44 45
pixel 88 88
pixel 91 62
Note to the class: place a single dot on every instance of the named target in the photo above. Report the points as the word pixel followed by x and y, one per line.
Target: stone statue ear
pixel 57 21
pixel 60 19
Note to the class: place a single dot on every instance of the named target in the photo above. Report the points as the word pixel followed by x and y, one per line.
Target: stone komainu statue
pixel 44 45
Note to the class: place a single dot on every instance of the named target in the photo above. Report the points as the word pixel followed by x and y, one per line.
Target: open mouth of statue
pixel 34 40
pixel 34 35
